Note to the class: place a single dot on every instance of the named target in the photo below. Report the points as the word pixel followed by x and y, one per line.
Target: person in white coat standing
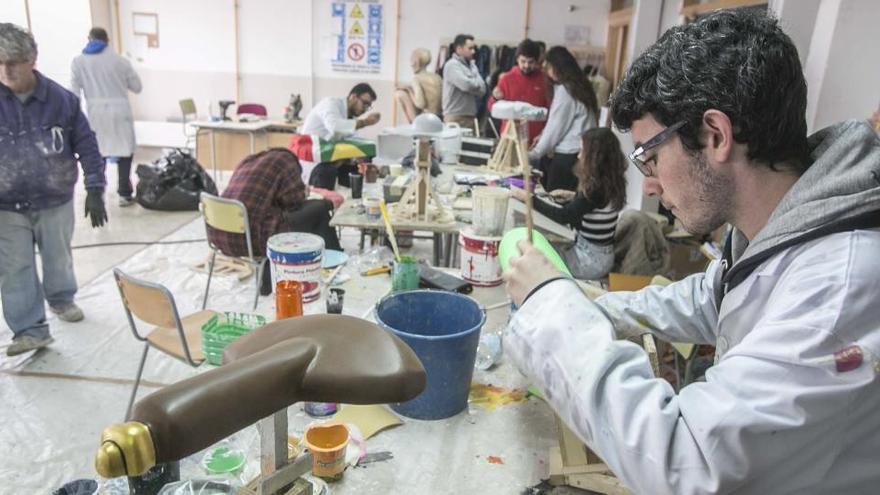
pixel 717 113
pixel 105 79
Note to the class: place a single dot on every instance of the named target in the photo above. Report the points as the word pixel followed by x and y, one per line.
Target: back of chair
pixel 151 303
pixel 624 282
pixel 254 108
pixel 188 109
pixel 228 215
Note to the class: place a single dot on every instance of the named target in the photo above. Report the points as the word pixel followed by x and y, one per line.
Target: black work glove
pixel 95 208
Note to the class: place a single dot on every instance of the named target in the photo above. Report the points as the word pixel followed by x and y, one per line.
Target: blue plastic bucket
pixel 443 328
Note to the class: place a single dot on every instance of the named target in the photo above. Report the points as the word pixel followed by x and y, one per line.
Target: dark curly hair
pixel 736 61
pixel 601 173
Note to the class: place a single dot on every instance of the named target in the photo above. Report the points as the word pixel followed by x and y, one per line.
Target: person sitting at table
pixel 337 118
pixel 270 185
pixel 593 209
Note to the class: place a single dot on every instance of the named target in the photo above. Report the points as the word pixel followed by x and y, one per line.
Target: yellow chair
pixel 189 113
pixel 180 338
pixel 229 215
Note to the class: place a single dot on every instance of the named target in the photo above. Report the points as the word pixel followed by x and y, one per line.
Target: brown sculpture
pixel 423 95
pixel 322 358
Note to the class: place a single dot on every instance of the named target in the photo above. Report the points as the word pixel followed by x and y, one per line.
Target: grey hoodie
pixel 839 192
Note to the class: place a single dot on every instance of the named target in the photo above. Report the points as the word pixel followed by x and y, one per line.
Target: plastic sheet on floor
pixel 55 403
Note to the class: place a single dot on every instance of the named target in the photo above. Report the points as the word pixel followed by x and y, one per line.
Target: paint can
pixel 319 409
pixel 490 209
pixel 372 208
pixel 479 258
pixel 297 256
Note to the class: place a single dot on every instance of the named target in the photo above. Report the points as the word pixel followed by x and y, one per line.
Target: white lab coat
pixel 329 120
pixel 105 79
pixel 779 413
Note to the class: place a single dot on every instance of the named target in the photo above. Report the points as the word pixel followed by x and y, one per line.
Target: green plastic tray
pixel 223 329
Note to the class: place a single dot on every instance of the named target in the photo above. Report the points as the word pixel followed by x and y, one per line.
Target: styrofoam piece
pixel 518 110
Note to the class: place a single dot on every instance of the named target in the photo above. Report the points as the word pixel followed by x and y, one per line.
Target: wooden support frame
pixel 418 202
pixel 572 463
pixel 508 156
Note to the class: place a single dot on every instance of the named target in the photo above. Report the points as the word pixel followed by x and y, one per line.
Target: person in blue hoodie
pixel 43 134
pixel 104 79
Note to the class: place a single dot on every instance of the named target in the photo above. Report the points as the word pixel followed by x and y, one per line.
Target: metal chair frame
pixel 119 275
pixel 256 262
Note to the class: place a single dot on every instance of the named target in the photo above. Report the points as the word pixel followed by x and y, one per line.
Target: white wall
pixel 843 76
pixel 548 19
pixel 797 18
pixel 58 46
pixel 14 11
pixel 275 59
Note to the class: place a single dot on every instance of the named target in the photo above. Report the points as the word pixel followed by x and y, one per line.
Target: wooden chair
pixel 178 337
pixel 229 215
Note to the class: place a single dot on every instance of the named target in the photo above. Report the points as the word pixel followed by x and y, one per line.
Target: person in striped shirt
pixel 592 210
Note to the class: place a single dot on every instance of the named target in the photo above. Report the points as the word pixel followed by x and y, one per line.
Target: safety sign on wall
pixel 358 27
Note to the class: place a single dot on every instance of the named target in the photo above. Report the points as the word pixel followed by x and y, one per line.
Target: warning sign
pixel 359 29
pixel 356 52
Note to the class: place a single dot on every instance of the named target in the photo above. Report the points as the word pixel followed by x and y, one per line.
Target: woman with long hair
pixel 592 210
pixel 573 111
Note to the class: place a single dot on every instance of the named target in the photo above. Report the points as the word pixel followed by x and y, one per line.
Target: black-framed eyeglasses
pixel 368 104
pixel 638 156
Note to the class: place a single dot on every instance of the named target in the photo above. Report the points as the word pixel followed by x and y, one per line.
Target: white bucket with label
pixel 490 210
pixel 297 256
pixel 479 258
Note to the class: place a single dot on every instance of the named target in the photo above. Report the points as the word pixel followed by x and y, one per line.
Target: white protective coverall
pixel 105 79
pixel 793 402
pixel 329 120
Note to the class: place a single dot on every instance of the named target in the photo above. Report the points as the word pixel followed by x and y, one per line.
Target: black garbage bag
pixel 173 183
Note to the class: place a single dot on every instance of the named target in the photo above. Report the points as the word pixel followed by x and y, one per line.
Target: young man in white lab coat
pixel 717 114
pixel 337 118
pixel 105 79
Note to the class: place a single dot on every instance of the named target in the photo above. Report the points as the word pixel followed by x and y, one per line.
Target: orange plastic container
pixel 327 443
pixel 288 299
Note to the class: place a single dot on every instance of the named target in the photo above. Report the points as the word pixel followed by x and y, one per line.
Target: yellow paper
pixel 369 419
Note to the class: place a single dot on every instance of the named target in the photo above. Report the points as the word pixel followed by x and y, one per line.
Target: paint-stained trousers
pixel 22 292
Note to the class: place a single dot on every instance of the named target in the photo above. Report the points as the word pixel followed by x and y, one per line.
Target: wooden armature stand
pixel 512 156
pixel 507 157
pixel 572 463
pixel 418 203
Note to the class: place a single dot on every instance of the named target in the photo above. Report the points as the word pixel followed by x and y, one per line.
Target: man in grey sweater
pixel 462 83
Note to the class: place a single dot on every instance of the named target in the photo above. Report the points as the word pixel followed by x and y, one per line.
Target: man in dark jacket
pixel 43 133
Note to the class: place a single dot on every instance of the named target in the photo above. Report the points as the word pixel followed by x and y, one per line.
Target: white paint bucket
pixel 297 256
pixel 490 210
pixel 479 258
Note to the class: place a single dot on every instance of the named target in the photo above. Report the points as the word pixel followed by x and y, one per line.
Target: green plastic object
pixel 508 249
pixel 223 329
pixel 223 460
pixel 405 274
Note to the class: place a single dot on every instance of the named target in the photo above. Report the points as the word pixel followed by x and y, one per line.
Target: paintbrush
pixel 389 229
pixel 527 178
